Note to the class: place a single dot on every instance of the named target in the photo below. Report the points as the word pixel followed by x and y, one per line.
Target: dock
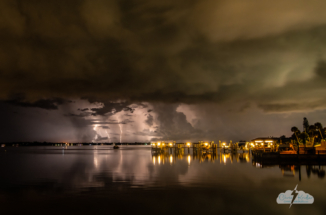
pixel 276 158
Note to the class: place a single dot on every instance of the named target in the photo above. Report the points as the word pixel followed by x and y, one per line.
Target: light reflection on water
pixel 100 169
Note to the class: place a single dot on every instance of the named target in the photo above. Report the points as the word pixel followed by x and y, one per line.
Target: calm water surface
pixel 100 180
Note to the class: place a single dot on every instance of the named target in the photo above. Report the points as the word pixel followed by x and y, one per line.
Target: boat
pixel 115 146
pixel 243 146
pixel 321 148
pixel 286 149
pixel 307 148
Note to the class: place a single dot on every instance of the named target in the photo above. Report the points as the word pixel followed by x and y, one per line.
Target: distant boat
pixel 115 146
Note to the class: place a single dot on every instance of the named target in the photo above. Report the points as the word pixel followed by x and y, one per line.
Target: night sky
pixel 185 70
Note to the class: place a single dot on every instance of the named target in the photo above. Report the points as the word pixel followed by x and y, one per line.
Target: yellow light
pixel 262 143
pixel 170 144
pixel 158 143
pixel 206 144
pixel 163 144
pixel 258 141
pixel 223 144
pixel 188 144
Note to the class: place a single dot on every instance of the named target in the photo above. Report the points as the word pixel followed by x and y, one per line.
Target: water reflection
pixel 174 155
pixel 315 170
pixel 291 170
pixel 131 172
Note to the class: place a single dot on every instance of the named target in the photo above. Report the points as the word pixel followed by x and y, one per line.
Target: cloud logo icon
pixel 294 197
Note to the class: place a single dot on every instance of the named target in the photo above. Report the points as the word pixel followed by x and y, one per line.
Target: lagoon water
pixel 133 180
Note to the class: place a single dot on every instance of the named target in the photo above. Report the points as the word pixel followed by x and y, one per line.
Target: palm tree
pixel 319 126
pixel 282 139
pixel 295 131
pixel 312 132
pixel 304 136
pixel 305 124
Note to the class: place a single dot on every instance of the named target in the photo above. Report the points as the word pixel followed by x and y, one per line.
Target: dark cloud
pixel 49 104
pixel 125 121
pixel 131 55
pixel 110 107
pixel 77 115
pixel 290 107
pixel 150 119
pixel 149 51
pixel 99 138
pixel 129 109
pixel 321 69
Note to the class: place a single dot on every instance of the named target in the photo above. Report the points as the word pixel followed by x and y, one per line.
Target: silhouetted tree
pixel 305 124
pixel 282 139
pixel 295 131
pixel 319 127
pixel 304 137
pixel 312 132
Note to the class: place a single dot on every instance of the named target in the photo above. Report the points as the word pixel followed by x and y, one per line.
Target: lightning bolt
pixel 108 136
pixel 120 129
pixel 95 131
pixel 294 193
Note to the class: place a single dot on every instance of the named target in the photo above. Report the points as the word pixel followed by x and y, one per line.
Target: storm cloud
pixel 236 56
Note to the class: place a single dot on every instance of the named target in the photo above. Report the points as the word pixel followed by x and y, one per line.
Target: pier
pixel 200 147
pixel 265 151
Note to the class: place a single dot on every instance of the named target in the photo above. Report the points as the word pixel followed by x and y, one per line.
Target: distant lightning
pixel 108 136
pixel 120 132
pixel 120 129
pixel 294 193
pixel 95 126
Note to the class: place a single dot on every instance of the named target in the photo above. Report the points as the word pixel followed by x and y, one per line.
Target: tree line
pixel 311 133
